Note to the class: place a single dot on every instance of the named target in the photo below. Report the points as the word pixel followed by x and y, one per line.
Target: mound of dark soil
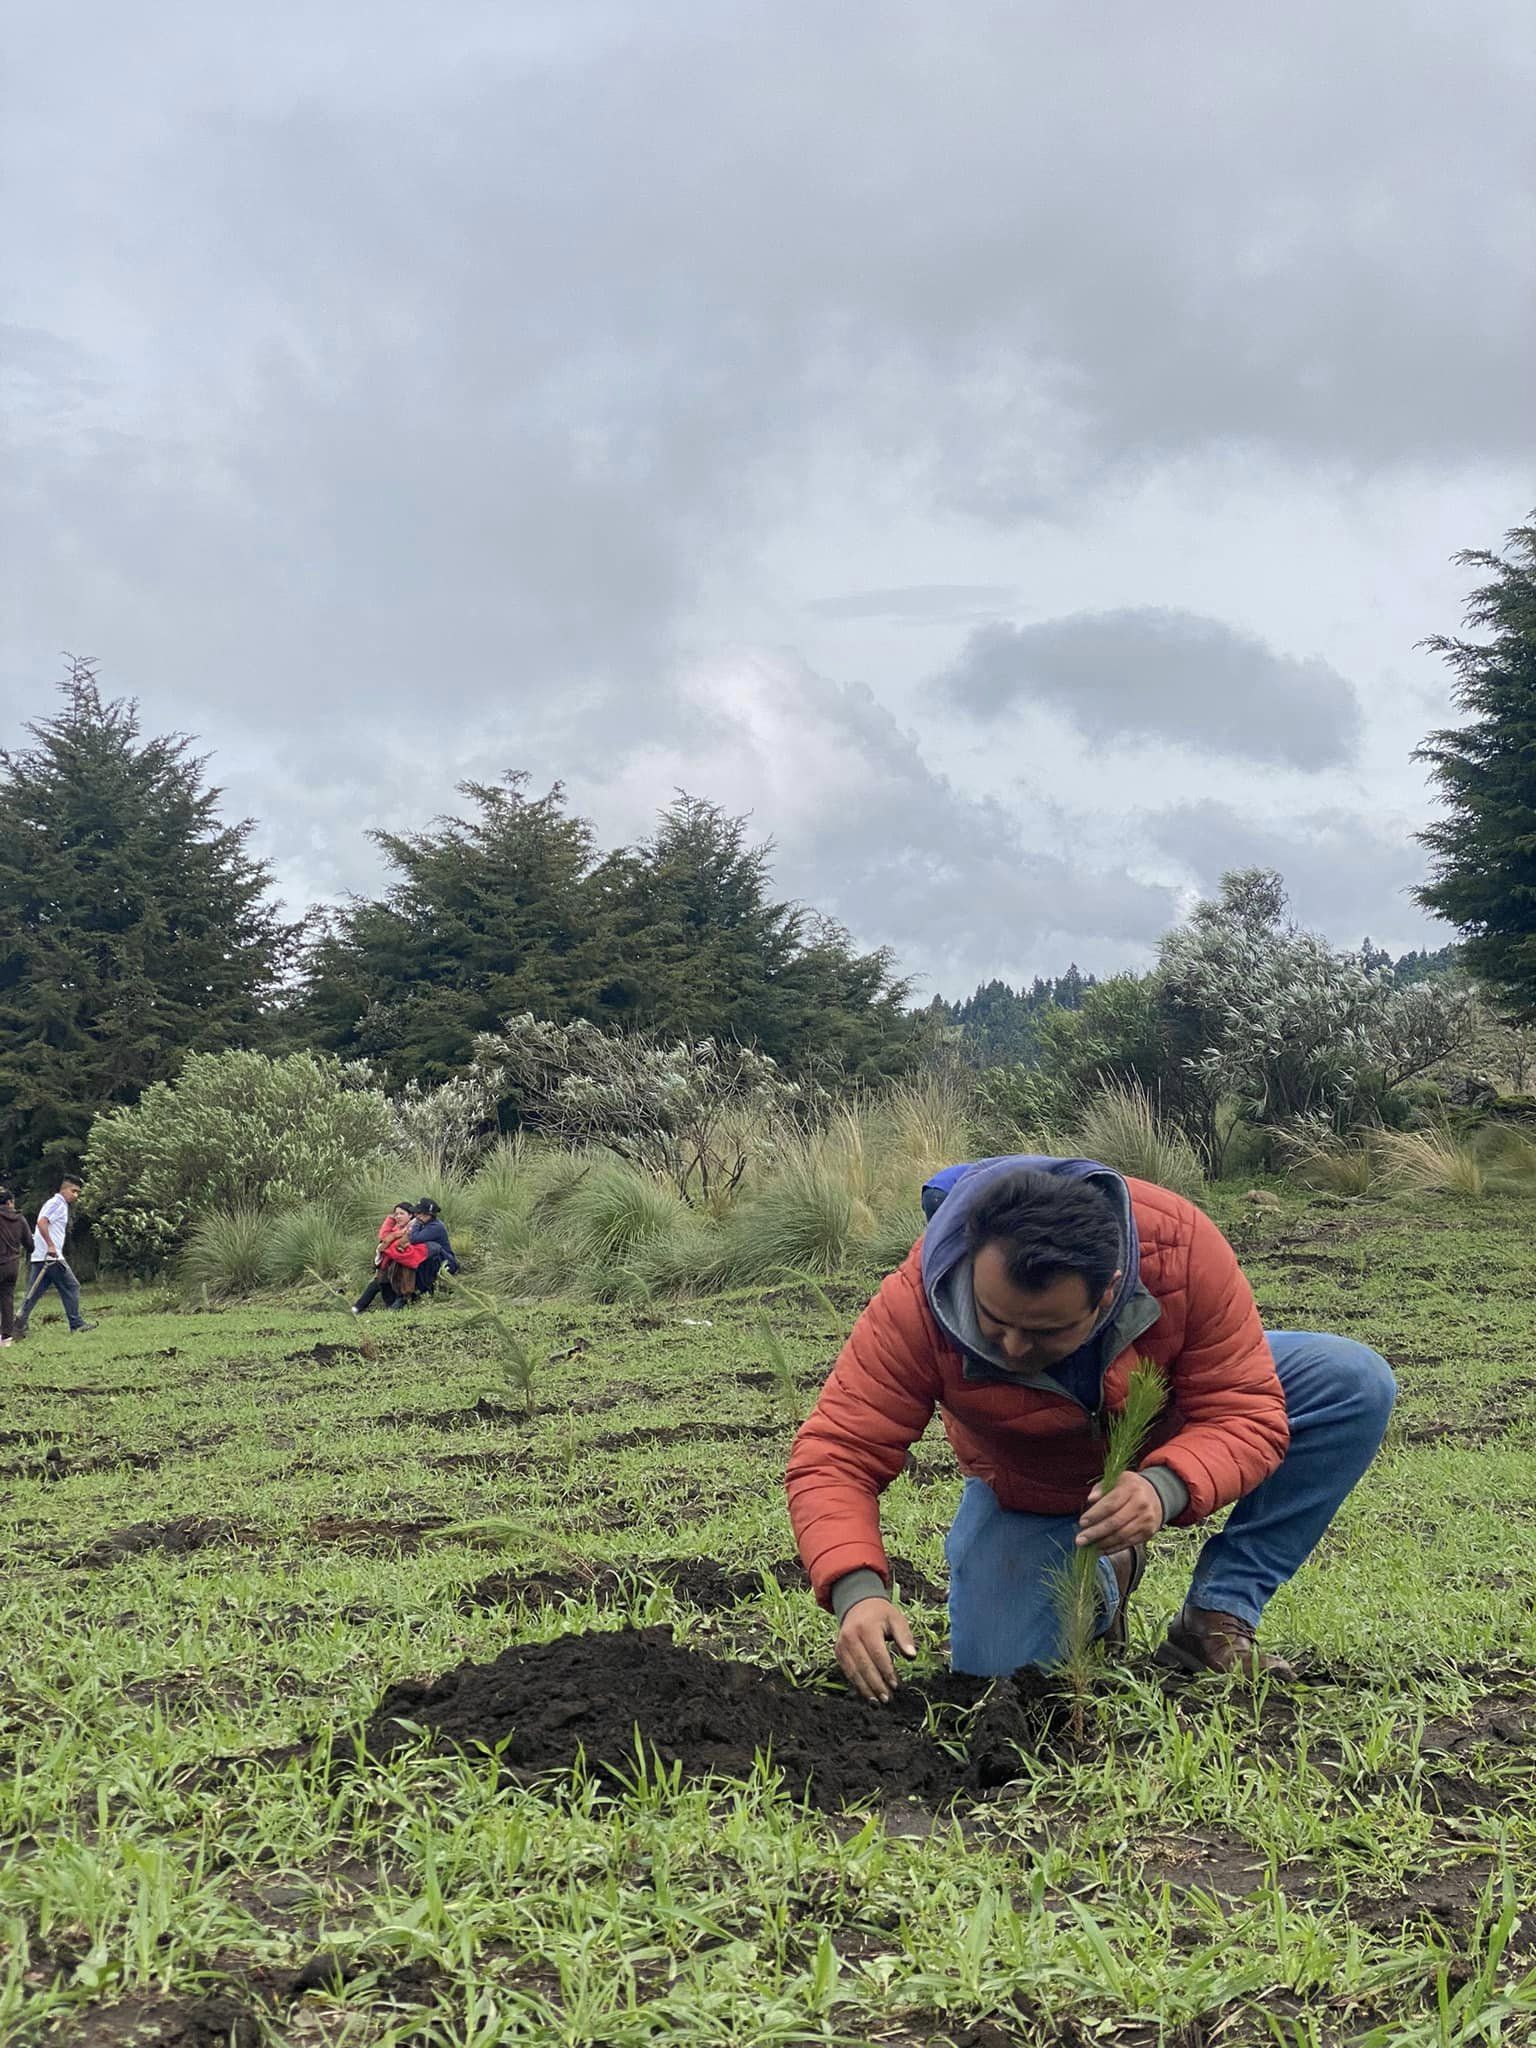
pixel 484 1410
pixel 540 1704
pixel 57 1463
pixel 180 1538
pixel 698 1579
pixel 216 2022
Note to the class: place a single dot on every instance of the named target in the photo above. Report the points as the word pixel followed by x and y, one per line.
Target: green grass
pixel 1341 1864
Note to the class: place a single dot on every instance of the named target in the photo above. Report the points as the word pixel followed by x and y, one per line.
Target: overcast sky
pixel 1011 450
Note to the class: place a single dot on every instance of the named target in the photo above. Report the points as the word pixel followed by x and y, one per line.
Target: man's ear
pixel 1109 1293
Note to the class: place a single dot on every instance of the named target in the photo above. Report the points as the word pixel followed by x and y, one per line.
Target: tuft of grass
pixel 314 1238
pixel 226 1253
pixel 1337 1165
pixel 1120 1125
pixel 1076 1585
pixel 1433 1162
pixel 614 1212
pixel 806 1216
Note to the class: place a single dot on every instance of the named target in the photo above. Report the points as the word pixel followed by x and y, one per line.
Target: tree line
pixel 136 924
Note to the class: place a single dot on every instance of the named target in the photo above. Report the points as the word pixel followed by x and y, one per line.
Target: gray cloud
pixel 940 601
pixel 396 391
pixel 1347 875
pixel 1125 676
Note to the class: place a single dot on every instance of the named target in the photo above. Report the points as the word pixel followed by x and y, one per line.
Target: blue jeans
pixel 52 1273
pixel 1338 1396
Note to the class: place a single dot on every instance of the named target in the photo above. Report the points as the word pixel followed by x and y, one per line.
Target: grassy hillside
pixel 230 1535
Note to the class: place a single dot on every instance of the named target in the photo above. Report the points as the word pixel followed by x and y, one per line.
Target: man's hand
pixel 861 1646
pixel 1129 1513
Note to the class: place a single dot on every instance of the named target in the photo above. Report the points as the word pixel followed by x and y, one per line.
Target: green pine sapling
pixel 1076 1587
pixel 517 1362
pixel 786 1389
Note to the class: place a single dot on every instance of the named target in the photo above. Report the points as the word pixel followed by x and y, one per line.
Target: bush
pixel 233 1131
pixel 226 1251
pixel 1120 1126
pixel 1321 1158
pixel 614 1212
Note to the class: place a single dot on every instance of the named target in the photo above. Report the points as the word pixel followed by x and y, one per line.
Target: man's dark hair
pixel 6 1196
pixel 1046 1227
pixel 71 1180
pixel 427 1208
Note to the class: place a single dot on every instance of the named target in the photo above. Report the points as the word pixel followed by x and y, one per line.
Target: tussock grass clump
pixel 226 1253
pixel 1433 1162
pixel 1119 1125
pixel 313 1239
pixel 1323 1159
pixel 614 1211
pixel 806 1216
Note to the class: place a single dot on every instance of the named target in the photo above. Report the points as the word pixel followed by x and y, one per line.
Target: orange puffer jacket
pixel 1223 1431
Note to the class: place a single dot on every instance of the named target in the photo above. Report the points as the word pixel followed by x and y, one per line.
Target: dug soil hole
pixel 541 1705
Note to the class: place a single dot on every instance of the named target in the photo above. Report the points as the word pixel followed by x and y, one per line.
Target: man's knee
pixel 1360 1377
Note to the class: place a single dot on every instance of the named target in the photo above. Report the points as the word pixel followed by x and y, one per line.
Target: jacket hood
pixel 949 1199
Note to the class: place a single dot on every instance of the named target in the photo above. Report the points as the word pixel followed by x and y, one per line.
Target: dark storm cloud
pixel 1347 875
pixel 1148 674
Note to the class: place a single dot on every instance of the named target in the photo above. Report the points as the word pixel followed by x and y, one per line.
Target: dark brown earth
pixel 191 1533
pixel 698 1579
pixel 541 1705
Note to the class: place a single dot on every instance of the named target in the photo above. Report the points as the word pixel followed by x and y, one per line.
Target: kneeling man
pixel 1019 1315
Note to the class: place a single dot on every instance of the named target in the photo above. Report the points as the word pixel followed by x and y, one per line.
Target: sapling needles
pixel 518 1366
pixel 1076 1588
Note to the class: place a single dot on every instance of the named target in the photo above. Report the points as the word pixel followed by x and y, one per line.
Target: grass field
pixel 228 1536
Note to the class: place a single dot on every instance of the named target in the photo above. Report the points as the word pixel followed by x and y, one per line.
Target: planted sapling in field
pixel 1076 1588
pixel 518 1366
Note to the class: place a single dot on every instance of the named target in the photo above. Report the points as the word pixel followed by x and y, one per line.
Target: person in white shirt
pixel 50 1268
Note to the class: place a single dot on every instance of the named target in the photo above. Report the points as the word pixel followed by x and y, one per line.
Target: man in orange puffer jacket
pixel 1019 1315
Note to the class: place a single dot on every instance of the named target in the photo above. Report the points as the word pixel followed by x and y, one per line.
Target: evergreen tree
pixel 488 916
pixel 1484 874
pixel 134 924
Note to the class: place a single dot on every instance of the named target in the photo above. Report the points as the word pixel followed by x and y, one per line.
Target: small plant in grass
pixel 518 1366
pixel 1434 1162
pixel 786 1388
pixel 1076 1588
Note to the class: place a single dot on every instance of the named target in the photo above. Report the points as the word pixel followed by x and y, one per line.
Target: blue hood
pixel 948 1200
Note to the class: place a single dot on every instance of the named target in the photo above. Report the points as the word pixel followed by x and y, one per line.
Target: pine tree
pixel 1484 874
pixel 487 917
pixel 134 924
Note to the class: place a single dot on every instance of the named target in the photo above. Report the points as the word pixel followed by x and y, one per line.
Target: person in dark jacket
pixel 429 1229
pixel 15 1251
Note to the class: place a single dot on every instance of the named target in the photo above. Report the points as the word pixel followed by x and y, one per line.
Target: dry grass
pixel 1120 1126
pixel 1433 1162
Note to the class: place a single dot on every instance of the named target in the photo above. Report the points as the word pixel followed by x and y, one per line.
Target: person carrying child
pixel 395 1261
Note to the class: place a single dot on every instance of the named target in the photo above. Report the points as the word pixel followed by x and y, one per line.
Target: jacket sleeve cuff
pixel 1171 1490
pixel 863 1584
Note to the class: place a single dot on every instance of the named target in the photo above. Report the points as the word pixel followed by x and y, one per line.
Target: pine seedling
pixel 786 1388
pixel 518 1367
pixel 1076 1587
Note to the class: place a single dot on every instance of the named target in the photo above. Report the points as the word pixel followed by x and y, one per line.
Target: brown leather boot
pixel 1204 1639
pixel 1128 1566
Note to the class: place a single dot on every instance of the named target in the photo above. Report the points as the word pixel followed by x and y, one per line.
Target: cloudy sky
pixel 1011 449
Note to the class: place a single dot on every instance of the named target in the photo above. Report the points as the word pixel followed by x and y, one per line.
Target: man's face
pixel 1034 1331
pixel 70 1192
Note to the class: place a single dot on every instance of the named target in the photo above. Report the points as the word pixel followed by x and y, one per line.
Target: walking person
pixel 1019 1315
pixel 15 1250
pixel 49 1267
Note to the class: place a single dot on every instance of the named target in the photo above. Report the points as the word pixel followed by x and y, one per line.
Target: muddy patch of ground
pixel 189 1534
pixel 218 2021
pixel 57 1463
pixel 697 1579
pixel 483 1412
pixel 540 1705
